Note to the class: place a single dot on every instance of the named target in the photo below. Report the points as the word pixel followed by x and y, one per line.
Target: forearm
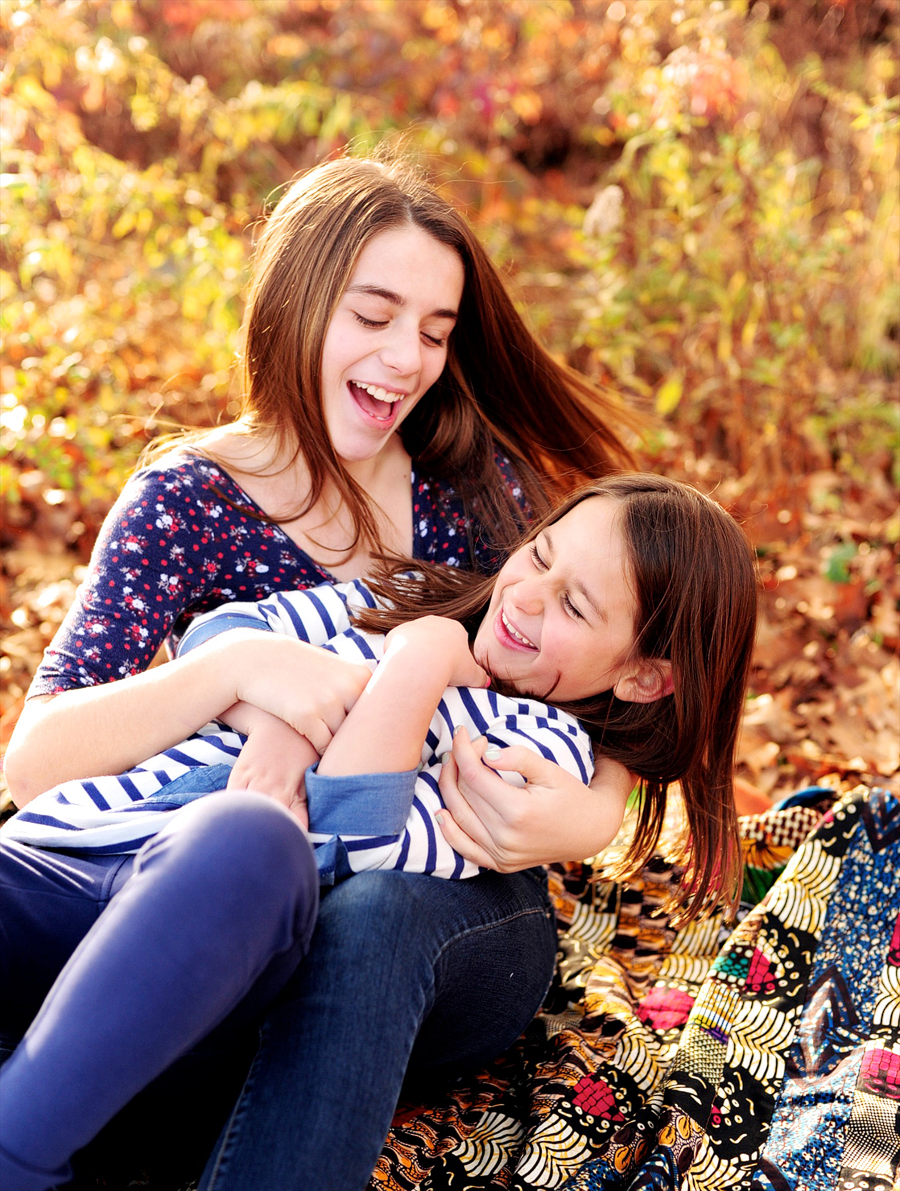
pixel 386 729
pixel 110 728
pixel 244 717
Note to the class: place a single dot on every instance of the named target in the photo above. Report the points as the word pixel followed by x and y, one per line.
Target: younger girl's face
pixel 561 618
pixel 386 343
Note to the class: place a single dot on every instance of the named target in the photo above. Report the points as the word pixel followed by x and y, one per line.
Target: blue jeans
pixel 403 970
pixel 128 962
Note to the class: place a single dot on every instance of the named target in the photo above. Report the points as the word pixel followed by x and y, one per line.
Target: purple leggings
pixel 124 963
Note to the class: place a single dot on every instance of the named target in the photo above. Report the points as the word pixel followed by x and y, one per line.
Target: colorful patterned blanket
pixel 762 1056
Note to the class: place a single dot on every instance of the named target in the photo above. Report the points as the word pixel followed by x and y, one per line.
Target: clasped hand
pixel 309 688
pixel 554 818
pixel 293 697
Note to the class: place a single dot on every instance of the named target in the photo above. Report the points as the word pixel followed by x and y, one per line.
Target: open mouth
pixel 381 404
pixel 509 631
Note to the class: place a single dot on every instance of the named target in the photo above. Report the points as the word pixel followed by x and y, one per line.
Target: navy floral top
pixel 178 542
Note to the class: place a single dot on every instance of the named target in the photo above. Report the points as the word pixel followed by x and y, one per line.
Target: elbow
pixel 15 771
pixel 22 762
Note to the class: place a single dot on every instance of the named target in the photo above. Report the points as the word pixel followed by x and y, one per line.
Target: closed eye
pixel 571 609
pixel 369 322
pixel 536 558
pixel 380 324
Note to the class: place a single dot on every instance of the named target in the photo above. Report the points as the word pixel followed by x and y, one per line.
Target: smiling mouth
pixel 518 637
pixel 379 403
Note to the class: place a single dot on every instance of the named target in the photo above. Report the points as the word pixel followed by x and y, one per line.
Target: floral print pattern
pixel 184 538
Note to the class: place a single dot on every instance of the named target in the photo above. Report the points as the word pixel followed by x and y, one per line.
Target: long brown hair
pixel 695 588
pixel 498 386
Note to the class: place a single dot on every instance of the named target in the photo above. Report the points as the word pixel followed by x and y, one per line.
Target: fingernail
pixel 444 758
pixel 492 753
pixel 440 819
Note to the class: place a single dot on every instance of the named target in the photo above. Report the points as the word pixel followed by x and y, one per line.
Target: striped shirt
pixel 356 823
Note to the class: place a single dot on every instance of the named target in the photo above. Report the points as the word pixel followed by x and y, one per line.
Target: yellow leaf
pixel 669 393
pixel 30 91
pixel 124 224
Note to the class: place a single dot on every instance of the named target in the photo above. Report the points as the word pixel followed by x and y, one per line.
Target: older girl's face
pixel 386 343
pixel 561 618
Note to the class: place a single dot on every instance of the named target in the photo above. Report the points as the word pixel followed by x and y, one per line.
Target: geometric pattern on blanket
pixel 763 1056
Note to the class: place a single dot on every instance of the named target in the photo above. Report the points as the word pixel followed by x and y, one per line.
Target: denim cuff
pixel 359 803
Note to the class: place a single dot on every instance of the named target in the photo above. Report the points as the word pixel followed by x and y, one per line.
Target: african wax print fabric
pixel 766 1056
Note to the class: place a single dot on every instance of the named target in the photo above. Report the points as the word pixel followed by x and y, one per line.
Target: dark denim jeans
pixel 403 969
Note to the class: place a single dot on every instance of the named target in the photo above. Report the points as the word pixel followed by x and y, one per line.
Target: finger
pixel 473 675
pixel 480 745
pixel 464 803
pixel 476 782
pixel 352 686
pixel 533 767
pixel 462 843
pixel 455 800
pixel 237 779
pixel 317 732
pixel 332 713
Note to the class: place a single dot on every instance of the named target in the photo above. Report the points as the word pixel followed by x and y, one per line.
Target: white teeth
pixel 515 633
pixel 378 393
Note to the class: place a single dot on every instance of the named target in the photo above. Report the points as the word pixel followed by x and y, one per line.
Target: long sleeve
pixel 317 615
pixel 182 538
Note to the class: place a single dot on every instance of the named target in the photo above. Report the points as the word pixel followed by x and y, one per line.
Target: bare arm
pixel 273 760
pixel 385 730
pixel 110 728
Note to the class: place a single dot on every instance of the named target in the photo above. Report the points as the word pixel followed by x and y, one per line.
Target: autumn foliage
pixel 696 201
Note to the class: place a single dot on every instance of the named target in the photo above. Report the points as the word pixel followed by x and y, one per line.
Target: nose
pixel 528 595
pixel 402 351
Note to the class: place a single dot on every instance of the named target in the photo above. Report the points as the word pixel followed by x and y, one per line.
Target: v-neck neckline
pixel 307 559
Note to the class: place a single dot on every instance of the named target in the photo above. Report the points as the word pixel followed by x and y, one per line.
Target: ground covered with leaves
pixel 694 202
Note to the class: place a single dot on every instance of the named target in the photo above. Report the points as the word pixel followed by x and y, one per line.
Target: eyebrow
pixel 578 585
pixel 378 291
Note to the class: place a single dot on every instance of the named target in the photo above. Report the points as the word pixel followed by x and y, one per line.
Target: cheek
pixel 434 368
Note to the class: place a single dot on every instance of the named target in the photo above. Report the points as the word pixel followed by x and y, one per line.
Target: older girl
pixel 631 608
pixel 394 402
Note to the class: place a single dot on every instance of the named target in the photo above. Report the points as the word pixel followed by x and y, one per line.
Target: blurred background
pixel 695 202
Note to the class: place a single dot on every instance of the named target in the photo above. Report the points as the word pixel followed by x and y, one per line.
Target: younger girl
pixel 631 608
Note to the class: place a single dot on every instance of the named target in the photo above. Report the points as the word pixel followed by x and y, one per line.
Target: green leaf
pixel 838 566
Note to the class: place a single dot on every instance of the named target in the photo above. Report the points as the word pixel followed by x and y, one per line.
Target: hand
pixel 311 689
pixel 274 762
pixel 554 818
pixel 442 642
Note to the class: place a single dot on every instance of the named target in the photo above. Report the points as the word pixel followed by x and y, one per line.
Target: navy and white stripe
pixel 118 813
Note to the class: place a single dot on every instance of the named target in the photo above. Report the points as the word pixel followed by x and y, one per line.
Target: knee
pixel 245 842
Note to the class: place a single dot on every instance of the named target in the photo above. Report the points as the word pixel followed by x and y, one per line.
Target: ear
pixel 646 681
